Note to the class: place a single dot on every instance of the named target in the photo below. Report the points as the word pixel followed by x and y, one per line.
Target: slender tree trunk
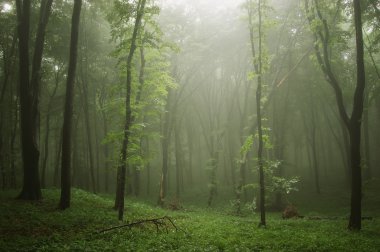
pixel 366 149
pixel 47 132
pixel 57 160
pixel 315 158
pixel 136 170
pixel 148 168
pixel 68 114
pixel 165 151
pixel 124 150
pixel 213 166
pixel 13 183
pixel 191 153
pixel 313 143
pixel 342 146
pixel 46 151
pixel 178 163
pixel 88 132
pixel 346 143
pixel 75 154
pixel 106 152
pixel 258 70
pixel 97 148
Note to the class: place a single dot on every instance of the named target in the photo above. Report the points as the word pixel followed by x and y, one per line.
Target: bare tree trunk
pixel 355 125
pixel 8 65
pixel 178 158
pixel 75 154
pixel 165 152
pixel 29 95
pixel 58 159
pixel 84 94
pixel 97 148
pixel 106 153
pixel 68 115
pixel 147 169
pixel 366 149
pixel 13 183
pixel 47 132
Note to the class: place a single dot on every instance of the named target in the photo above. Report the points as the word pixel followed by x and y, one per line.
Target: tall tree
pixel 128 119
pixel 353 123
pixel 258 67
pixel 29 94
pixel 68 115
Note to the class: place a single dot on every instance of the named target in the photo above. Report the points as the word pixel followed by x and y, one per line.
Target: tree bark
pixel 29 95
pixel 68 114
pixel 355 125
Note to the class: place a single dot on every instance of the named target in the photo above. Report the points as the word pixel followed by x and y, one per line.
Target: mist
pixel 189 125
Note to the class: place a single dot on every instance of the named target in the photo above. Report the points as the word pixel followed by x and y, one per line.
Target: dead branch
pixel 160 223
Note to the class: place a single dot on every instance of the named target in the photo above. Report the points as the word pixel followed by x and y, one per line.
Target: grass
pixel 26 226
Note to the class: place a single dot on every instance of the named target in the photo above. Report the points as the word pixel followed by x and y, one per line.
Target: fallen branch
pixel 160 223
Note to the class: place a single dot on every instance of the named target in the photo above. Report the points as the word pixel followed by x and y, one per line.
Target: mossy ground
pixel 26 226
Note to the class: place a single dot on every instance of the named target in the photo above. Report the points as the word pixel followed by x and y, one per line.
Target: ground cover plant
pixel 41 226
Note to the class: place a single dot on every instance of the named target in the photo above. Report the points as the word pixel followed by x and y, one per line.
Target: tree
pixel 353 122
pixel 128 119
pixel 258 68
pixel 29 94
pixel 68 114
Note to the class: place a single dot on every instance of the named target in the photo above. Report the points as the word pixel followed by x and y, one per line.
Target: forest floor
pixel 26 226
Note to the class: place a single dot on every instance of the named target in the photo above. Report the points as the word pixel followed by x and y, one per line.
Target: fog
pixel 247 106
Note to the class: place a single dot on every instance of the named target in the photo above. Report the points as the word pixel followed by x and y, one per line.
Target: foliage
pixel 246 147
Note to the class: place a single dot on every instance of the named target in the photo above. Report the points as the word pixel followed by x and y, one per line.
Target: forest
pixel 202 125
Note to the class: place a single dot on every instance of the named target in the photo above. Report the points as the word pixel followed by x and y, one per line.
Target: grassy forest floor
pixel 40 226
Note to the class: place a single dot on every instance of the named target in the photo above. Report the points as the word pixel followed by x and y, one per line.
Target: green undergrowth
pixel 26 226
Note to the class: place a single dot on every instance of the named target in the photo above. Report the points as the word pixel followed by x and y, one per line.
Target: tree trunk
pixel 148 169
pixel 12 150
pixel 366 149
pixel 68 114
pixel 178 158
pixel 165 152
pixel 258 71
pixel 88 132
pixel 57 160
pixel 106 152
pixel 47 132
pixel 124 150
pixel 355 125
pixel 75 151
pixel 29 95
